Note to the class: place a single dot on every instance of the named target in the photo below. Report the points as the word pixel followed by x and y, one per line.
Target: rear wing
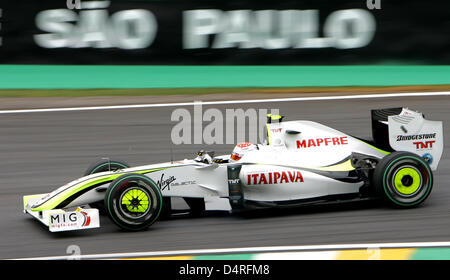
pixel 401 129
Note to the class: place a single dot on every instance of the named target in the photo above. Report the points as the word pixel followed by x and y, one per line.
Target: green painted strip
pixel 385 254
pixel 431 254
pixel 61 197
pixel 117 77
pixel 225 257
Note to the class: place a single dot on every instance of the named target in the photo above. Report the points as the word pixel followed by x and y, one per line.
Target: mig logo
pixel 86 218
pixel 424 145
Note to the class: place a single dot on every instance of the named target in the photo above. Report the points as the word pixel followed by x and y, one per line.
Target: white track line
pixel 248 249
pixel 319 98
pixel 255 250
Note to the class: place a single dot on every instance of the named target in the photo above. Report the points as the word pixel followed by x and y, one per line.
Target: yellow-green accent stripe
pixel 375 148
pixel 344 166
pixel 61 197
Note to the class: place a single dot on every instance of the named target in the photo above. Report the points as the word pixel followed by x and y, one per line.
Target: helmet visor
pixel 235 156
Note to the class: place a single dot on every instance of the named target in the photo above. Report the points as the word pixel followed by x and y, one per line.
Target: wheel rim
pixel 407 180
pixel 407 166
pixel 135 203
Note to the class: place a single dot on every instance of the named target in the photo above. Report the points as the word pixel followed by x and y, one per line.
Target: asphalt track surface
pixel 41 151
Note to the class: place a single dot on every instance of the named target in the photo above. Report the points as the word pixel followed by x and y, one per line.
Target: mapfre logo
pixel 268 178
pixel 320 142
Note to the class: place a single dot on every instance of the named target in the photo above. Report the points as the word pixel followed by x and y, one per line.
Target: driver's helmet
pixel 241 149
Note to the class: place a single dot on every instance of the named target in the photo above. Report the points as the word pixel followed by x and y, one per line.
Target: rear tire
pixel 133 202
pixel 403 179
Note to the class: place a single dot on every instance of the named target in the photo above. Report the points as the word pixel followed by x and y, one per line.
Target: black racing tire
pixel 133 202
pixel 403 179
pixel 101 166
pixel 105 165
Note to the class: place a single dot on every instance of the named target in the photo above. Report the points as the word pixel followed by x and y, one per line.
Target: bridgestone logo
pixel 416 137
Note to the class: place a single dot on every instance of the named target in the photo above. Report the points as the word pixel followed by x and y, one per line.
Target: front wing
pixel 62 220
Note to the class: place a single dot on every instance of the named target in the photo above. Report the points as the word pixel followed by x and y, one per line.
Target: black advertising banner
pixel 245 32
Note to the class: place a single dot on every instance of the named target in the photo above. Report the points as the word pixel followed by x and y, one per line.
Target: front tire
pixel 102 166
pixel 403 179
pixel 105 165
pixel 133 202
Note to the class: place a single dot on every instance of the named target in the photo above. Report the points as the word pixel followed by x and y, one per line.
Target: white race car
pixel 302 162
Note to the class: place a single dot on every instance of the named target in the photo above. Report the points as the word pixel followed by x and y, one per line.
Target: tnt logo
pixel 234 181
pixel 424 145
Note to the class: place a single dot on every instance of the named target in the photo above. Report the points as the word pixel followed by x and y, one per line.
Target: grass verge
pixel 202 91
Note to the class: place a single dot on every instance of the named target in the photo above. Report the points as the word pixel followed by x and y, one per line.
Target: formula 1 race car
pixel 301 162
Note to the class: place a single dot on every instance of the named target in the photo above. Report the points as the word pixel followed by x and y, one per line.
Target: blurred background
pixel 163 44
pixel 122 52
pixel 215 32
